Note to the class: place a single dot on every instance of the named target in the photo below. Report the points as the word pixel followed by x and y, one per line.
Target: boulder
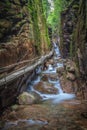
pixel 14 107
pixel 12 116
pixel 70 68
pixel 46 88
pixel 44 78
pixel 53 77
pixel 61 60
pixel 60 71
pixel 29 98
pixel 51 61
pixel 71 76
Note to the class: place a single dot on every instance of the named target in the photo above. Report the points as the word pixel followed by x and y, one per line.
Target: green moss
pixel 39 25
pixel 31 15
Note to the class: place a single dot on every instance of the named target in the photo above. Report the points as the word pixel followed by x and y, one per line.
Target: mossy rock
pixel 14 107
pixel 29 98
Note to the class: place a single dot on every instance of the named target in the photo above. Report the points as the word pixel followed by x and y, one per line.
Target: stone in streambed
pixel 61 60
pixel 14 107
pixel 12 116
pixel 29 98
pixel 46 88
pixel 70 67
pixel 51 61
pixel 45 77
pixel 53 77
pixel 60 71
pixel 71 76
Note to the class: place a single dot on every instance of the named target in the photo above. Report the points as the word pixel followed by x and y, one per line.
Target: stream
pixel 51 70
pixel 35 117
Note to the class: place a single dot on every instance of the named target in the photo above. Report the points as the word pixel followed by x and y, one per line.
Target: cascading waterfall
pixel 56 49
pixel 60 96
pixel 50 98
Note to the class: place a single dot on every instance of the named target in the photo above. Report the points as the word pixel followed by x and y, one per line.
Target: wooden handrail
pixel 16 74
pixel 6 68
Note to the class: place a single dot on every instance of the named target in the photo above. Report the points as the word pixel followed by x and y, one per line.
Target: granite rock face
pixel 21 26
pixel 81 38
pixel 73 34
pixel 68 24
pixel 23 36
pixel 74 41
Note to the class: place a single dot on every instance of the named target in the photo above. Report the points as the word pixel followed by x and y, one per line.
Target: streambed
pixel 57 111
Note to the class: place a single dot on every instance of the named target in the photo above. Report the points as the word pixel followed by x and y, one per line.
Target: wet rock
pixel 46 88
pixel 70 68
pixel 61 60
pixel 66 85
pixel 60 71
pixel 14 107
pixel 12 116
pixel 71 76
pixel 48 63
pixel 29 98
pixel 44 78
pixel 45 66
pixel 51 61
pixel 53 77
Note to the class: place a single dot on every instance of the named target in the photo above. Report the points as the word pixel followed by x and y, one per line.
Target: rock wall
pixel 74 41
pixel 23 32
pixel 80 38
pixel 23 36
pixel 68 23
pixel 73 34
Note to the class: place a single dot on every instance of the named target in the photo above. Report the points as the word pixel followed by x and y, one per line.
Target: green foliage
pixel 32 6
pixel 54 16
pixel 40 32
pixel 46 7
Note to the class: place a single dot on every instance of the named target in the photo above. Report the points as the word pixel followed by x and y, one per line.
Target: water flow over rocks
pixel 47 81
pixel 24 123
pixel 51 113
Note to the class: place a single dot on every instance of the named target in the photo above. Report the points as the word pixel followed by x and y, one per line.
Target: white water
pixel 59 64
pixel 28 123
pixel 55 98
pixel 56 50
pixel 49 71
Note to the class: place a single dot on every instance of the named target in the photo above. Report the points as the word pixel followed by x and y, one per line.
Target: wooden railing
pixel 31 64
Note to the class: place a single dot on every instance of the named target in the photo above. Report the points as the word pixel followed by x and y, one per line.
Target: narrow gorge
pixel 43 65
